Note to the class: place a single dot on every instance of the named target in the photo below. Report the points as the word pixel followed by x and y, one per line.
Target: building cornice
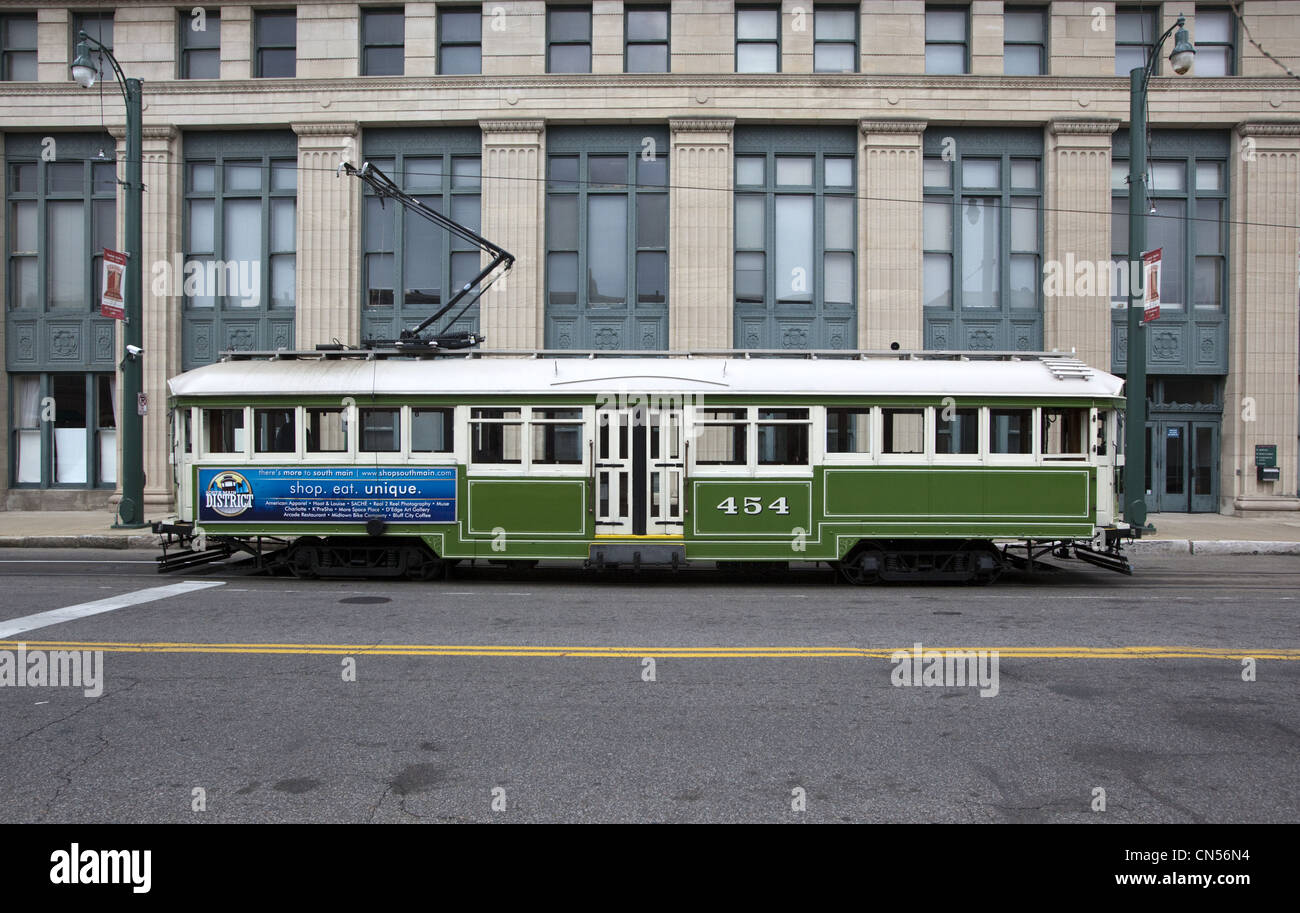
pixel 1075 126
pixel 901 125
pixel 1269 128
pixel 701 124
pixel 326 128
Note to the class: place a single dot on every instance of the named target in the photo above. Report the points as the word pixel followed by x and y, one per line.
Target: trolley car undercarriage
pixel 972 561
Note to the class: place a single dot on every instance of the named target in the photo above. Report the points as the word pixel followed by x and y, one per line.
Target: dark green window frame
pixel 262 45
pixel 1144 20
pixel 1019 253
pixel 34 185
pixel 385 230
pixel 98 25
pixel 17 57
pixel 1205 42
pixel 554 42
pixel 571 184
pixel 1205 239
pixel 199 46
pixel 389 57
pixel 774 39
pixel 462 15
pixel 630 42
pixel 278 184
pixel 1037 15
pixel 96 403
pixel 820 42
pixel 934 40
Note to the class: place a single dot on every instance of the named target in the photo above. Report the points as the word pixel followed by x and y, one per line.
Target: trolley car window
pixel 381 430
pixel 431 430
pixel 327 431
pixel 848 430
pixel 1064 434
pixel 956 431
pixel 1011 431
pixel 224 430
pixel 557 435
pixel 904 430
pixel 495 435
pixel 274 431
pixel 722 435
pixel 783 437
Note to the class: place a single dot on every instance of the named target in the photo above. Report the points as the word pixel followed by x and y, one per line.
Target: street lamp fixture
pixel 1135 384
pixel 85 72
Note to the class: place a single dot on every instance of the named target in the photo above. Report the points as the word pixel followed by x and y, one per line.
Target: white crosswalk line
pixel 82 610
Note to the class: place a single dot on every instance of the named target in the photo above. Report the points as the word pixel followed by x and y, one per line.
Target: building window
pixel 61 217
pixel 607 244
pixel 1189 225
pixel 276 35
pixel 1024 42
pixel 460 41
pixel 946 29
pixel 646 35
pixel 383 42
pixel 76 446
pixel 835 39
pixel 1216 30
pixel 200 56
pixel 411 266
pixel 1136 31
pixel 240 245
pixel 568 40
pixel 981 224
pixel 18 47
pixel 100 27
pixel 758 39
pixel 795 236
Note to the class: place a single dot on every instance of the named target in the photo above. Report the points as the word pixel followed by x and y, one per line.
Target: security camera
pixel 134 351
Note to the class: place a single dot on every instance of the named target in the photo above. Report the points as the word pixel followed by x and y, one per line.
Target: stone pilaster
pixel 796 36
pixel 329 236
pixel 607 36
pixel 421 39
pixel 163 214
pixel 511 312
pixel 1260 399
pixel 986 35
pixel 236 42
pixel 514 40
pixel 700 219
pixel 889 234
pixel 1076 233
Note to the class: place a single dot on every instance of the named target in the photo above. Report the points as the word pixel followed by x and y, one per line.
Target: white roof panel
pixel 1057 376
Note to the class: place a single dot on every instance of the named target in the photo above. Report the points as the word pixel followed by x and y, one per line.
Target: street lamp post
pixel 1135 504
pixel 130 511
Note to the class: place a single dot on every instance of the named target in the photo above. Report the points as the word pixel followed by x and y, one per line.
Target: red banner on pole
pixel 111 301
pixel 1151 284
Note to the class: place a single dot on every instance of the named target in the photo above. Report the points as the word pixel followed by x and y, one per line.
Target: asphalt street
pixel 557 695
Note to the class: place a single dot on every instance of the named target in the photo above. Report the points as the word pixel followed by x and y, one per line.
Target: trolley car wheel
pixel 863 566
pixel 304 557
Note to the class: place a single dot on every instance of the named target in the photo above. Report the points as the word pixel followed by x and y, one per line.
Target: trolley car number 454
pixel 753 506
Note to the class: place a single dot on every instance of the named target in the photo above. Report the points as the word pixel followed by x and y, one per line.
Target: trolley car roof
pixel 1046 375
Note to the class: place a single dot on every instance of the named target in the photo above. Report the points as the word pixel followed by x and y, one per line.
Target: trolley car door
pixel 639 472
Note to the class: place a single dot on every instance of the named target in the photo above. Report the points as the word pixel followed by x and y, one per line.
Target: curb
pixel 1159 547
pixel 149 541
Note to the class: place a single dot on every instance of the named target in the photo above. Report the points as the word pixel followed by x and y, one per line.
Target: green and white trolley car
pixel 935 465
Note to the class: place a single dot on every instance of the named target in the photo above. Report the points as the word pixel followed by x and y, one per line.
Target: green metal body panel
pixel 815 517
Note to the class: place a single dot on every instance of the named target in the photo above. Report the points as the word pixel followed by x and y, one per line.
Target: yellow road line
pixel 623 652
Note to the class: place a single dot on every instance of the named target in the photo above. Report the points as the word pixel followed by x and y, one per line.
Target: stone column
pixel 1076 239
pixel 889 234
pixel 329 236
pixel 1260 399
pixel 163 213
pixel 511 312
pixel 700 297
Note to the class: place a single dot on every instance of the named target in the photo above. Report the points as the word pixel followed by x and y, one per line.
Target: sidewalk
pixel 1176 534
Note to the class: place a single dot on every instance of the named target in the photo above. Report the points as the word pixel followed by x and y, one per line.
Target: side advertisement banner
pixel 327 494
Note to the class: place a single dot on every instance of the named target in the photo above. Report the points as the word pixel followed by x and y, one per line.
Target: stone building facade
pixel 693 174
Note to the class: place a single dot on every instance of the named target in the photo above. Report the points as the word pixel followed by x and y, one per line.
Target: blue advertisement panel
pixel 327 494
